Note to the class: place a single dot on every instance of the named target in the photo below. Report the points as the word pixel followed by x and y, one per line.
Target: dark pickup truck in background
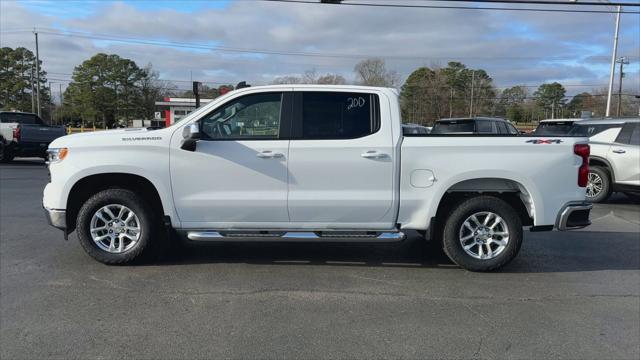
pixel 25 135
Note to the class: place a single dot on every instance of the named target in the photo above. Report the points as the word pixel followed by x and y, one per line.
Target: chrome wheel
pixel 484 235
pixel 594 185
pixel 115 228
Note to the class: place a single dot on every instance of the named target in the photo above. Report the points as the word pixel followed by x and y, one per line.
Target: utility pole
pixel 623 61
pixel 33 98
pixel 37 74
pixel 613 61
pixel 50 106
pixel 473 79
pixel 60 95
pixel 196 92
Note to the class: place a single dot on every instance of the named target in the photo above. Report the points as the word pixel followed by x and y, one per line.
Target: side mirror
pixel 191 135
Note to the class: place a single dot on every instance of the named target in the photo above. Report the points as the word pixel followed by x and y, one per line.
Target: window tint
pixel 20 118
pixel 249 117
pixel 554 128
pixel 502 128
pixel 339 115
pixel 484 127
pixel 453 126
pixel 512 129
pixel 630 134
pixel 590 130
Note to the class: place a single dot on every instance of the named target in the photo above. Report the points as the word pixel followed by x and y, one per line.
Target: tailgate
pixel 40 134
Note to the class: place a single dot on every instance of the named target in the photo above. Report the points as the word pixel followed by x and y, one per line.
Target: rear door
pixel 624 155
pixel 341 161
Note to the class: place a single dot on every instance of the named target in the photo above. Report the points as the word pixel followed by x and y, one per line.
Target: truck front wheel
pixel 482 233
pixel 116 226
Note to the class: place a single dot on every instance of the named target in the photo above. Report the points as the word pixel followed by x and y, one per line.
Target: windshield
pixel 554 128
pixel 9 117
pixel 455 126
pixel 590 130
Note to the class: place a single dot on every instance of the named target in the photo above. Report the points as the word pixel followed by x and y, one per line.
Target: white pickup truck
pixel 312 163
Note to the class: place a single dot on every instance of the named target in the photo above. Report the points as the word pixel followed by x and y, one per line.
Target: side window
pixel 512 129
pixel 635 135
pixel 255 116
pixel 502 128
pixel 484 127
pixel 330 115
pixel 627 133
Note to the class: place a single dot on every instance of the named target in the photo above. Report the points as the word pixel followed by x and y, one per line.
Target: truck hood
pixel 111 137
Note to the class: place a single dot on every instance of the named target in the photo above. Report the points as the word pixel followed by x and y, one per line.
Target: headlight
pixel 56 155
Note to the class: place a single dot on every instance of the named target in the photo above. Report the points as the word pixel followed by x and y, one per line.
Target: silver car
pixel 614 164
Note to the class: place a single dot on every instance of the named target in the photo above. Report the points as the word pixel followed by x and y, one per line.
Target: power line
pixel 164 43
pixel 414 6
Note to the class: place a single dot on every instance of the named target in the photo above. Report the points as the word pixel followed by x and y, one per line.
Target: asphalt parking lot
pixel 567 295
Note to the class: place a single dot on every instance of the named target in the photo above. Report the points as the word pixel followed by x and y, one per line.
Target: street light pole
pixel 613 61
pixel 37 74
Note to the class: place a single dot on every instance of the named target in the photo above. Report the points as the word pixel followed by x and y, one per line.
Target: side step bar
pixel 326 236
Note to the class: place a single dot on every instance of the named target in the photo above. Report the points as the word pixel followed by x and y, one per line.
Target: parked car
pixel 476 125
pixel 25 134
pixel 415 129
pixel 311 163
pixel 554 127
pixel 614 163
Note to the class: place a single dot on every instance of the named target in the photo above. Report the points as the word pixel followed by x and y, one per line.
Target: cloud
pixel 514 47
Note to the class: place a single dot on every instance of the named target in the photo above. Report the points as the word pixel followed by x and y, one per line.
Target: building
pixel 173 109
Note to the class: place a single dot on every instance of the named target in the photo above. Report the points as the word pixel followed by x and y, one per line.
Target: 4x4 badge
pixel 545 141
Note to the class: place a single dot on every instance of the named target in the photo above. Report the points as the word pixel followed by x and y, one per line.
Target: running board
pixel 325 236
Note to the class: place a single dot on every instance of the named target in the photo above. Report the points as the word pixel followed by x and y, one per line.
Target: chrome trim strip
pixel 204 235
pixel 567 210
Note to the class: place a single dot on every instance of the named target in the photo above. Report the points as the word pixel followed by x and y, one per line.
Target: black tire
pixel 152 237
pixel 605 192
pixel 451 233
pixel 6 155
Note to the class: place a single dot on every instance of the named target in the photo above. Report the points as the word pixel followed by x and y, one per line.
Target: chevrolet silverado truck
pixel 25 134
pixel 312 163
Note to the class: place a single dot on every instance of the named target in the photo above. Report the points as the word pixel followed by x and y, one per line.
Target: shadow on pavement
pixel 554 252
pixel 25 162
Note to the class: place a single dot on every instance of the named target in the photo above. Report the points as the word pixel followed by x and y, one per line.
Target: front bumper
pixel 56 218
pixel 574 215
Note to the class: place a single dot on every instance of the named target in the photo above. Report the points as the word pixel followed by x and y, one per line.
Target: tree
pixel 311 77
pixel 550 97
pixel 373 72
pixel 432 93
pixel 17 67
pixel 108 89
pixel 512 102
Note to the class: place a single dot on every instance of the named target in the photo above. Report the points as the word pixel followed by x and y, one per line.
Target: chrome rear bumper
pixel 574 215
pixel 56 218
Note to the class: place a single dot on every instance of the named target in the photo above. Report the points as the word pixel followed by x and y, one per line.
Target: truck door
pixel 341 161
pixel 237 175
pixel 624 153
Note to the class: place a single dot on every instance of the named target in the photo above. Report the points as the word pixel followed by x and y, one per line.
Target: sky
pixel 230 41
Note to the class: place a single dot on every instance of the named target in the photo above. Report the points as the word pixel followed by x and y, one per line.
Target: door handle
pixel 619 151
pixel 268 154
pixel 373 154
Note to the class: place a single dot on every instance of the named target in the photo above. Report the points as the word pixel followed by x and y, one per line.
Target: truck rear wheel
pixel 482 233
pixel 117 226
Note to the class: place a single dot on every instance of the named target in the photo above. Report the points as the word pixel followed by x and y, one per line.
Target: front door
pixel 341 161
pixel 237 176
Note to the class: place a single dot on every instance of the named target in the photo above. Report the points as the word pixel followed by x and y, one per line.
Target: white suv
pixel 614 162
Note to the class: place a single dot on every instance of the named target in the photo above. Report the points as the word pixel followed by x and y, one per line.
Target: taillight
pixel 582 150
pixel 16 133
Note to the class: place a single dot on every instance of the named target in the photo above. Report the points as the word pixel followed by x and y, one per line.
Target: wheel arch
pixel 89 185
pixel 602 162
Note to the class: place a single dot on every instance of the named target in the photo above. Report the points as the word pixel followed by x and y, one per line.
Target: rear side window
pixel 590 130
pixel 630 134
pixel 512 129
pixel 484 127
pixel 329 115
pixel 502 128
pixel 453 127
